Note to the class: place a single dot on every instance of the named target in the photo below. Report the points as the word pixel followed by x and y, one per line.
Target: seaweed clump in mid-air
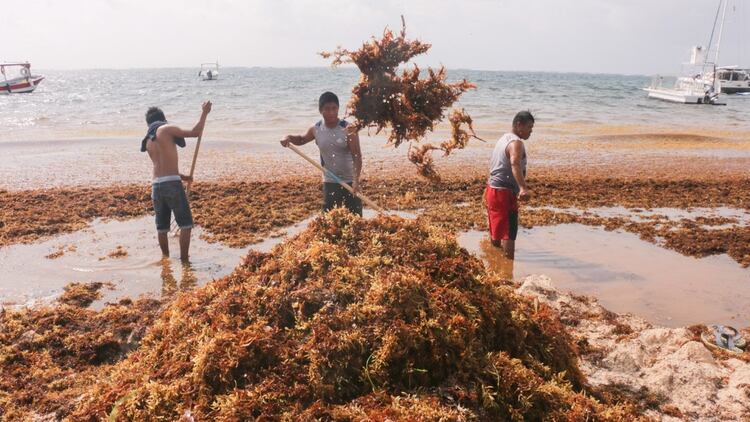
pixel 407 104
pixel 353 319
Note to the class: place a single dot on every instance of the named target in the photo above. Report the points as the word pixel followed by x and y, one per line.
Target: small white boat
pixel 25 82
pixel 209 71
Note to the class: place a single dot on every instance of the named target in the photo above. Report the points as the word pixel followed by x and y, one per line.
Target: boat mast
pixel 711 39
pixel 718 42
pixel 721 31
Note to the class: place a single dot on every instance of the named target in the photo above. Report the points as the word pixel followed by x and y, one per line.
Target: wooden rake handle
pixel 346 186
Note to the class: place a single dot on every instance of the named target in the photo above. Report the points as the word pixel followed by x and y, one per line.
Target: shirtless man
pixel 168 194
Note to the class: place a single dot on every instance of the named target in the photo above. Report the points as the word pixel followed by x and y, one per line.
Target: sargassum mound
pixel 353 319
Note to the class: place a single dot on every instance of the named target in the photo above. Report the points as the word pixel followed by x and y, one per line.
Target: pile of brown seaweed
pixel 410 106
pixel 353 320
pixel 50 356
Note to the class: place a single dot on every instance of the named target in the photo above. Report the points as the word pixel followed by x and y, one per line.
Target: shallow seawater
pixel 625 273
pixel 29 277
pixel 628 274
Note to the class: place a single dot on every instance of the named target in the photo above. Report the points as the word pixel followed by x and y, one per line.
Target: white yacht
pixel 695 86
pixel 688 89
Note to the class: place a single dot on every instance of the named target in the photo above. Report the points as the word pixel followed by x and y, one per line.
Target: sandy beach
pixel 597 151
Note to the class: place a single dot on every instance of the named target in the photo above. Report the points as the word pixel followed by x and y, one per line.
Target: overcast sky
pixel 609 36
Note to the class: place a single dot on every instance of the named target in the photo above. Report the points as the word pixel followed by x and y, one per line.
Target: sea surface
pixel 252 103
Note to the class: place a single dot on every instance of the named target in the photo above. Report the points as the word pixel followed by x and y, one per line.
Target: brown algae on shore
pixel 242 213
pixel 82 294
pixel 51 355
pixel 353 318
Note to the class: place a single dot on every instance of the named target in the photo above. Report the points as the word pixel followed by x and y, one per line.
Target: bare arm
pixel 299 139
pixel 196 131
pixel 354 147
pixel 515 152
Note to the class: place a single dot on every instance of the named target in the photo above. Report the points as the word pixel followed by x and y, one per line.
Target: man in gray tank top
pixel 340 154
pixel 506 185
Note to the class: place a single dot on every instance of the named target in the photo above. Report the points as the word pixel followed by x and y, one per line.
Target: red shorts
pixel 502 211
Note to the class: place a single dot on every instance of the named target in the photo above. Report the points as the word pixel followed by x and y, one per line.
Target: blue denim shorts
pixel 170 197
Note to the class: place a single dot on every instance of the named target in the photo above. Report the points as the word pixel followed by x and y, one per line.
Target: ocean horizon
pixel 110 103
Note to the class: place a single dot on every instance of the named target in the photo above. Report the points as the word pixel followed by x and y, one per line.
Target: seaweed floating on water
pixel 82 294
pixel 119 252
pixel 353 319
pixel 407 104
pixel 60 251
pixel 237 214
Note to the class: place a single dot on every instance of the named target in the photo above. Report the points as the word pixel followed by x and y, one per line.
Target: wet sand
pixel 609 152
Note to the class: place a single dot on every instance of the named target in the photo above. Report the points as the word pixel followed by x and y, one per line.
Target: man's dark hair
pixel 523 117
pixel 327 97
pixel 154 114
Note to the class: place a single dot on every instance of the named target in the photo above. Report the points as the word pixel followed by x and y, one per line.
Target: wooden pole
pixel 195 158
pixel 346 186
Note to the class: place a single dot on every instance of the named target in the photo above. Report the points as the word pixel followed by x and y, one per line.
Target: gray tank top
pixel 334 151
pixel 501 174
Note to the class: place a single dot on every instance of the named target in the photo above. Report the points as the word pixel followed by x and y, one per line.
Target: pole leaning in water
pixel 346 186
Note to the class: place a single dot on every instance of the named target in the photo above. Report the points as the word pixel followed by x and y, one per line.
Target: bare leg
pixel 509 251
pixel 501 261
pixel 509 248
pixel 184 244
pixel 506 268
pixel 164 244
